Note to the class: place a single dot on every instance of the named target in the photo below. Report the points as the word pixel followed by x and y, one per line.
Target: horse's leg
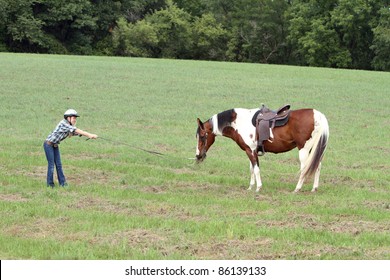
pixel 252 182
pixel 303 155
pixel 255 170
pixel 316 178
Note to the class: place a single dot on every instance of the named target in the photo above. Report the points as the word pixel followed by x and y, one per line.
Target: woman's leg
pixel 49 151
pixel 60 173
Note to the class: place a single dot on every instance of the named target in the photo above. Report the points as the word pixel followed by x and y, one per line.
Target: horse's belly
pixel 278 146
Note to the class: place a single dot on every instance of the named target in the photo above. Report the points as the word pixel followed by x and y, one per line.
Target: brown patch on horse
pixel 288 137
pixel 233 134
pixel 206 128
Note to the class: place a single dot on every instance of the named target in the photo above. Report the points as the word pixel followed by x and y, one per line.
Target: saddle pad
pixel 255 117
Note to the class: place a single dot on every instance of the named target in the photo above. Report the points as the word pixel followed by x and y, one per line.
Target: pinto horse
pixel 306 129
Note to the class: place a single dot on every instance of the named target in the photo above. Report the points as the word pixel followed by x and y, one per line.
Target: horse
pixel 306 129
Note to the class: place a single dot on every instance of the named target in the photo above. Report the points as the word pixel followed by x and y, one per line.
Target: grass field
pixel 124 203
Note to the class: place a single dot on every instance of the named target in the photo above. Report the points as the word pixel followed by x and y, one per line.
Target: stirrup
pixel 260 151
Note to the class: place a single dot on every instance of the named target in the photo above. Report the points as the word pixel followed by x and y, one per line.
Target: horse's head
pixel 205 137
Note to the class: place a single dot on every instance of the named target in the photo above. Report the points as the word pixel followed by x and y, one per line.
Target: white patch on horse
pixel 197 148
pixel 321 127
pixel 216 131
pixel 247 130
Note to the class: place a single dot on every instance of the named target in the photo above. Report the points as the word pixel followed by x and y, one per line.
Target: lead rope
pixel 144 150
pixel 128 145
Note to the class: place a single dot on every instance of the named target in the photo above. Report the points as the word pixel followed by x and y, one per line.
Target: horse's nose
pixel 200 158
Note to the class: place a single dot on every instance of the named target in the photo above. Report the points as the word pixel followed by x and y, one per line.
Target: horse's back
pixel 246 116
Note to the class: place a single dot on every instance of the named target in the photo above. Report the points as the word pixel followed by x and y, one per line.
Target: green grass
pixel 124 203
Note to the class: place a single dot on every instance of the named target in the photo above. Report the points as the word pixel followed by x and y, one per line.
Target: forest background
pixel 353 34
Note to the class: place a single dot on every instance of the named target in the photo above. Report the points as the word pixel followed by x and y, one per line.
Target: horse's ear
pixel 200 124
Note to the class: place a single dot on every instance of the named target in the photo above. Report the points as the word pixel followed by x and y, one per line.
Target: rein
pixel 128 145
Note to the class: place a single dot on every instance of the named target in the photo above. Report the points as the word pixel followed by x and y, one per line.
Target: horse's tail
pixel 320 138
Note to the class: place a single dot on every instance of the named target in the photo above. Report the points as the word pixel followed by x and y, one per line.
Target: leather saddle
pixel 266 120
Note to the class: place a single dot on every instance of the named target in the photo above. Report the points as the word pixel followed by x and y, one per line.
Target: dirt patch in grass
pixel 136 238
pixel 154 189
pixel 99 204
pixel 340 224
pixel 351 182
pixel 161 148
pixel 213 249
pixel 14 197
pixel 357 227
pixel 39 172
pixel 144 208
pixel 74 175
pixel 232 249
pixel 380 205
pixel 142 241
pixel 194 186
pixel 204 189
pixel 183 170
pixel 38 228
pixel 77 176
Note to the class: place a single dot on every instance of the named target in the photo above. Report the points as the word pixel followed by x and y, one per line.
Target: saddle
pixel 266 120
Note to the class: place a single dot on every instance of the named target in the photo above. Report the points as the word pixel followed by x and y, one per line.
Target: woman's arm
pixel 86 134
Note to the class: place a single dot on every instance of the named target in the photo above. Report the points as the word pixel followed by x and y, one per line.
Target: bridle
pixel 203 139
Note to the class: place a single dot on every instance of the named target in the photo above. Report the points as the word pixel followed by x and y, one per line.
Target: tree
pixel 195 8
pixel 164 33
pixel 20 30
pixel 109 12
pixel 71 23
pixel 209 38
pixel 312 37
pixel 328 33
pixel 258 31
pixel 48 26
pixel 174 31
pixel 351 21
pixel 3 24
pixel 135 39
pixel 381 41
pixel 334 33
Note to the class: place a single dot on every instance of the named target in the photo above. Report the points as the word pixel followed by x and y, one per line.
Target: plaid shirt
pixel 63 130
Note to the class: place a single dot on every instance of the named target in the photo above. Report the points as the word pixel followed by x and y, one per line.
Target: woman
pixel 65 128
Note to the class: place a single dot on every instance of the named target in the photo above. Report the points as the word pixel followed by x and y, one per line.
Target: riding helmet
pixel 70 113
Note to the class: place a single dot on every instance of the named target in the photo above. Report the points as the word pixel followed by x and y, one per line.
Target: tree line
pixel 351 34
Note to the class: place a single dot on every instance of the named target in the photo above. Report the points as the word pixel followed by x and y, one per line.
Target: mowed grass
pixel 124 203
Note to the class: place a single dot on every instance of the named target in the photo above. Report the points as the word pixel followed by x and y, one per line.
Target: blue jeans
pixel 53 158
